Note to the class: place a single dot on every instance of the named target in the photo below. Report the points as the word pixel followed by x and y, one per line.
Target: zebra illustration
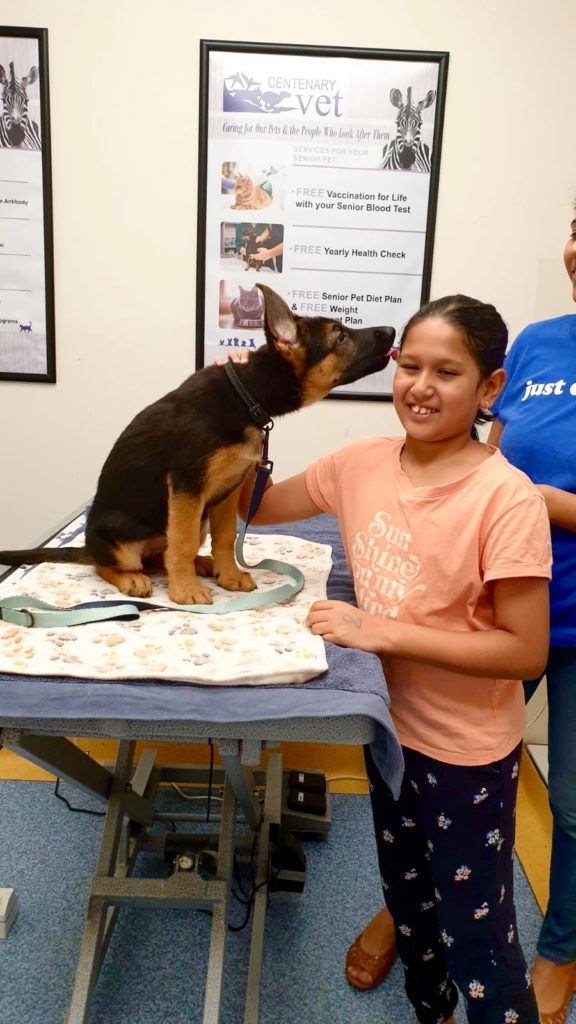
pixel 407 152
pixel 17 130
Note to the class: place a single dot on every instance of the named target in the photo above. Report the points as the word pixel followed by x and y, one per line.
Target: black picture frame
pixel 232 101
pixel 27 324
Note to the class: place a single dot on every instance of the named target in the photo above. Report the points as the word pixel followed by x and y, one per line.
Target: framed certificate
pixel 27 349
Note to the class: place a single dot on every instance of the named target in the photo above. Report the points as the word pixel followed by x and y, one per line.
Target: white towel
pixel 266 646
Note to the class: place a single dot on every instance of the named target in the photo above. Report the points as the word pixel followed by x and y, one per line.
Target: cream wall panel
pixel 124 108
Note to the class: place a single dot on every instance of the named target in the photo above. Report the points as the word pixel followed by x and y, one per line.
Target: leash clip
pixel 264 468
pixel 264 460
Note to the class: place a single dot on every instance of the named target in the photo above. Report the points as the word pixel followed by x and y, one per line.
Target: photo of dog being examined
pixel 179 465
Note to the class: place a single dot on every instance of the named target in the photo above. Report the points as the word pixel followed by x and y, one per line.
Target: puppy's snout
pixel 386 335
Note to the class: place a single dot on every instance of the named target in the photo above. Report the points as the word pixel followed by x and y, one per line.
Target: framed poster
pixel 26 245
pixel 318 176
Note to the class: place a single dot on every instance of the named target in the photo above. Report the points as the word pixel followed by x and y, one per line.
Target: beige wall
pixel 124 109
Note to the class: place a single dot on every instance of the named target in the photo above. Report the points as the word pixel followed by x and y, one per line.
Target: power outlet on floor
pixel 8 911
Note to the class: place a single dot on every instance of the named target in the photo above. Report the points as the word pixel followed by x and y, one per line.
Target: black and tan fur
pixel 181 461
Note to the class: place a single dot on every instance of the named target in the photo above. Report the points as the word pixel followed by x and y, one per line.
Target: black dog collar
pixel 261 418
pixel 258 414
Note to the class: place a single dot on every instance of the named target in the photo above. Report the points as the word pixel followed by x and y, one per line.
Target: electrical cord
pixel 77 810
pixel 247 898
pixel 210 778
pixel 192 797
pixel 250 902
pixel 346 778
pixel 245 895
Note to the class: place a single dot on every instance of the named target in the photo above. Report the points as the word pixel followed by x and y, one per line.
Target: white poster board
pixel 318 177
pixel 26 248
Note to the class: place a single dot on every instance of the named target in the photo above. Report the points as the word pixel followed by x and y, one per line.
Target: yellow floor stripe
pixel 344 768
pixel 534 830
pixel 343 764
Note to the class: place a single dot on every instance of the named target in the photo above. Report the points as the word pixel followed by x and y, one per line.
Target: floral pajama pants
pixel 445 853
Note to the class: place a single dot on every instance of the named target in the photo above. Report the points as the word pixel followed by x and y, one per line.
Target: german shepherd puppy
pixel 182 460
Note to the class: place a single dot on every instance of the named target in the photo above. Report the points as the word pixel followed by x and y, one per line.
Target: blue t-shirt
pixel 538 410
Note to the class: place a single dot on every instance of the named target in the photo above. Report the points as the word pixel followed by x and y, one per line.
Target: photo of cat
pixel 240 307
pixel 248 196
pixel 252 186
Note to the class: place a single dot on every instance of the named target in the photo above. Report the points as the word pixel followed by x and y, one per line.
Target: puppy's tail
pixel 34 556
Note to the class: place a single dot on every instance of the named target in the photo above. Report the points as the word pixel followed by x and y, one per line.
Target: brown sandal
pixel 559 1016
pixel 378 966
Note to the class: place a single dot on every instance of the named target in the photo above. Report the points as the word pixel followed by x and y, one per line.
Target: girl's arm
pixel 515 648
pixel 281 503
pixel 561 505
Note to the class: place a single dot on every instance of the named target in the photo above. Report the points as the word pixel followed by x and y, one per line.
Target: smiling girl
pixel 449 548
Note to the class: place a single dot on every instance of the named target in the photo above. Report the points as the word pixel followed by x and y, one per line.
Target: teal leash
pixel 31 612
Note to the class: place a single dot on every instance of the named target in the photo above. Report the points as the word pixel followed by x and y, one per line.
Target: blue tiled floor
pixel 154 971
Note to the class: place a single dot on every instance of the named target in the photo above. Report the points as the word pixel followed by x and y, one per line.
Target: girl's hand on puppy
pixel 345 625
pixel 235 356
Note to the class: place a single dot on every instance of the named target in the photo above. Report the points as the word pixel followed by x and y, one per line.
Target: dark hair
pixel 484 332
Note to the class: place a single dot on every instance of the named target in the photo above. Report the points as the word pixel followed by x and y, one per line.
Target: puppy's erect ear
pixel 281 324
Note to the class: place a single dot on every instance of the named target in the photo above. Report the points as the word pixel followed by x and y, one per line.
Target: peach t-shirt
pixel 425 555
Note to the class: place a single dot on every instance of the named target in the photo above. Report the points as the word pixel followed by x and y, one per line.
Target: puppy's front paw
pixel 189 592
pixel 236 580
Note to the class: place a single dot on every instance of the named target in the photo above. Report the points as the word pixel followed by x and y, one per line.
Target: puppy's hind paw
pixel 204 565
pixel 133 584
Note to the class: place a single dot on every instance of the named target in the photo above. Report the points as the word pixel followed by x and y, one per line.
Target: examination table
pixel 348 704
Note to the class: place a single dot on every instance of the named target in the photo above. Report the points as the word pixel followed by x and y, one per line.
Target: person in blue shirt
pixel 535 428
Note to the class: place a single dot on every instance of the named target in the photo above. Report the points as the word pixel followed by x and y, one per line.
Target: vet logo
pixel 278 94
